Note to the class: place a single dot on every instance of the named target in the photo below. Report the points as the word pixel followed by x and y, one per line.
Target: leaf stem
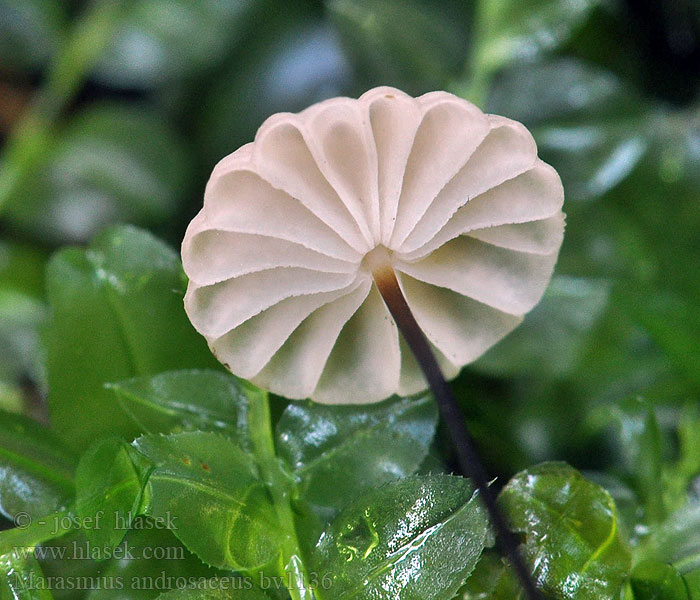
pixel 467 455
pixel 291 564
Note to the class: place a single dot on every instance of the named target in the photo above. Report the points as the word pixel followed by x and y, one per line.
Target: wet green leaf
pixel 155 561
pixel 21 578
pixel 109 486
pixel 337 452
pixel 571 530
pixel 36 470
pixel 210 494
pixel 417 538
pixel 116 312
pixel 187 400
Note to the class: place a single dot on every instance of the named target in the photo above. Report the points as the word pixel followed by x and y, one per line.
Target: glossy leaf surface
pixel 209 493
pixel 109 485
pixel 186 400
pixel 117 313
pixel 36 470
pixel 337 452
pixel 572 536
pixel 415 538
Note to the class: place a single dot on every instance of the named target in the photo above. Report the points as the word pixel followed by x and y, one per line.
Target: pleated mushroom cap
pixel 279 283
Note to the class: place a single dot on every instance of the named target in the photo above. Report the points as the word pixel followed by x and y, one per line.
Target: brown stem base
pixel 462 441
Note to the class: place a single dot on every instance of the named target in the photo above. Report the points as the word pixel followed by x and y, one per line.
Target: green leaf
pixel 676 540
pixel 116 313
pixel 22 313
pixel 587 124
pixel 153 47
pixel 491 580
pixel 571 531
pixel 233 588
pixel 109 486
pixel 107 165
pixel 641 445
pixel 653 580
pixel 21 316
pixel 553 336
pixel 338 452
pixel 416 538
pixel 21 578
pixel 22 268
pixel 408 44
pixel 65 559
pixel 209 493
pixel 30 32
pixel 187 400
pixel 671 319
pixel 156 562
pixel 303 63
pixel 36 470
pixel 30 531
pixel 518 31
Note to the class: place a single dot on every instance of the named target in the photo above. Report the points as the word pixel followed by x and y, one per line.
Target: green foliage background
pixel 114 112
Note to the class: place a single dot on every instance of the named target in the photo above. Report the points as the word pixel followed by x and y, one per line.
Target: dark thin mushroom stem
pixel 467 455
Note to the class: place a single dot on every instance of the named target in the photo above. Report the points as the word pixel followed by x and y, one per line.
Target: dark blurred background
pixel 116 111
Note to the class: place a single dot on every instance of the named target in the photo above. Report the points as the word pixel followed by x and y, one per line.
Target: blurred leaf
pixel 36 471
pixel 187 400
pixel 164 40
pixel 338 452
pixel 112 163
pixel 641 445
pixel 419 537
pixel 22 313
pixel 294 61
pixel 676 540
pixel 30 32
pixel 21 316
pixel 416 46
pixel 551 339
pixel 210 493
pixel 519 31
pixel 116 312
pixel 22 268
pixel 109 485
pixel 587 124
pixel 653 580
pixel 571 532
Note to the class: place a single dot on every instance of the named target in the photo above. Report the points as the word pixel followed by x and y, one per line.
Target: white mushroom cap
pixel 470 219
